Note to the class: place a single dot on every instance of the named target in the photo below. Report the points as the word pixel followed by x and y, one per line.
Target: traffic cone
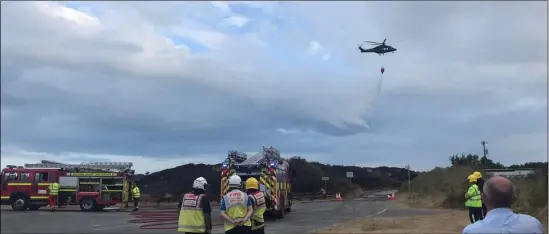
pixel 338 197
pixel 391 197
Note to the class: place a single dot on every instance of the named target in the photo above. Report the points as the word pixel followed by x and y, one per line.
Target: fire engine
pixel 272 171
pixel 92 186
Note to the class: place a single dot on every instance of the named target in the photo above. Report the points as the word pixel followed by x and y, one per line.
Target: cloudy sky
pixel 166 83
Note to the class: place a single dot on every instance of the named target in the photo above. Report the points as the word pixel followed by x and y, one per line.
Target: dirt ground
pixel 447 222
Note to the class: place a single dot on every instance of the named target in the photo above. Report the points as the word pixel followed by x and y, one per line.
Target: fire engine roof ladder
pixel 121 166
pixel 269 153
pixel 237 157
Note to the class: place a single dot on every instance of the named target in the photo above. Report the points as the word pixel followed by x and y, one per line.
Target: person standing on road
pixel 196 210
pixel 136 194
pixel 480 184
pixel 499 194
pixel 53 191
pixel 258 204
pixel 236 208
pixel 473 200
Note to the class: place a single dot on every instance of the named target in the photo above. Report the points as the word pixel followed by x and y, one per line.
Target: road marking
pixel 113 227
pixel 371 215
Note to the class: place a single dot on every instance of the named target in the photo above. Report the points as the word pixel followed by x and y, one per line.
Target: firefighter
pixel 236 208
pixel 196 210
pixel 473 200
pixel 136 196
pixel 53 190
pixel 480 184
pixel 258 204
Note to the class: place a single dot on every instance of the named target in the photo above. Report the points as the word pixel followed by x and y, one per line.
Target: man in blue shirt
pixel 498 195
pixel 223 207
pixel 236 208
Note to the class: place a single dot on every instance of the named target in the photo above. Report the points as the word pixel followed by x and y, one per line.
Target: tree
pixel 474 161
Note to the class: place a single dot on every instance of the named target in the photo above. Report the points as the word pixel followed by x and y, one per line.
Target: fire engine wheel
pixel 288 209
pixel 279 214
pixel 87 204
pixel 20 203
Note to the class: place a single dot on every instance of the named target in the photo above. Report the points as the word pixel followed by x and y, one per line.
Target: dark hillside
pixel 179 179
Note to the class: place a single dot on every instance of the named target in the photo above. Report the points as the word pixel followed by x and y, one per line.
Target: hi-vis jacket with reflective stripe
pixel 191 216
pixel 54 188
pixel 135 192
pixel 258 202
pixel 473 197
pixel 236 207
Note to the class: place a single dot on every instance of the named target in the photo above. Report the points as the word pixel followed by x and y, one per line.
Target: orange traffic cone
pixel 338 197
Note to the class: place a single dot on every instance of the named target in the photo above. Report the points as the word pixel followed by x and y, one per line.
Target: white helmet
pixel 200 183
pixel 235 181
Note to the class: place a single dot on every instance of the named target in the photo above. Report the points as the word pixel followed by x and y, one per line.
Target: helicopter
pixel 380 49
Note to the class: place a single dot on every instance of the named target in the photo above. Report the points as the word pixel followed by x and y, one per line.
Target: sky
pixel 161 84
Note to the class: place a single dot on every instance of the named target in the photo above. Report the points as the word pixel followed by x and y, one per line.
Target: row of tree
pixel 484 162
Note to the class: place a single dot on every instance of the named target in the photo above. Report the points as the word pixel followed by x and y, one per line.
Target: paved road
pixel 304 217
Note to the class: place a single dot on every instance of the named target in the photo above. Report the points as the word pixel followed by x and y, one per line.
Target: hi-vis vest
pixel 54 188
pixel 191 216
pixel 135 192
pixel 473 197
pixel 236 207
pixel 258 199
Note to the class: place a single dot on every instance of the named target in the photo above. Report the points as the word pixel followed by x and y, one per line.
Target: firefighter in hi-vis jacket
pixel 258 204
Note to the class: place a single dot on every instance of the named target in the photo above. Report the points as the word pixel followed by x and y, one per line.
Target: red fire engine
pixel 92 186
pixel 273 172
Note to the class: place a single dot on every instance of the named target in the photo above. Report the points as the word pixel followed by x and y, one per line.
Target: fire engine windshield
pixel 243 170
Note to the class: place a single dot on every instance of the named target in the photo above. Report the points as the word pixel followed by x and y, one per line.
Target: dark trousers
pixel 239 230
pixel 258 231
pixel 475 214
pixel 136 202
pixel 484 211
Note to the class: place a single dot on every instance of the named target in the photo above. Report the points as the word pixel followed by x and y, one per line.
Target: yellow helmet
pixel 252 183
pixel 472 178
pixel 477 174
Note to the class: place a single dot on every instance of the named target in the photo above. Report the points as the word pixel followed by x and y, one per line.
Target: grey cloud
pixel 101 95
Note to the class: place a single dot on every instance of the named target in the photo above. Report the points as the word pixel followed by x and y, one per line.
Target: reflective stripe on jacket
pixel 236 207
pixel 135 192
pixel 258 202
pixel 54 188
pixel 191 216
pixel 473 197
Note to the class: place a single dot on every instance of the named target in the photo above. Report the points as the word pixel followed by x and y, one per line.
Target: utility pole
pixel 409 181
pixel 484 150
pixel 484 153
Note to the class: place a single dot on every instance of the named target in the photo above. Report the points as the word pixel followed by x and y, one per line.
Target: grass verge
pixel 447 222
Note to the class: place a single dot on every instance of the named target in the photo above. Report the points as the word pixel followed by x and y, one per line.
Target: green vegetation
pixel 444 187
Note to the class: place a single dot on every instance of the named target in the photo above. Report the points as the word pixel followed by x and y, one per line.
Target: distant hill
pixel 178 180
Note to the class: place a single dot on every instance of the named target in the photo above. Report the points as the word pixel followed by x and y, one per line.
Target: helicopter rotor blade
pixel 384 40
pixel 373 42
